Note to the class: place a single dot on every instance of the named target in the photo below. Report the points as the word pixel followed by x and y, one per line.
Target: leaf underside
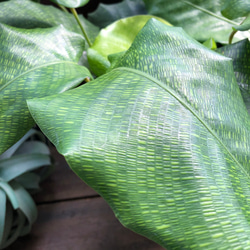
pixel 164 138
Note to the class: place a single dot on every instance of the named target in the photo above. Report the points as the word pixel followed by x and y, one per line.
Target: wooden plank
pixel 85 224
pixel 63 183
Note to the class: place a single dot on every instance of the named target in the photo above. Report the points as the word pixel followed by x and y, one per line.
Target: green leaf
pixel 106 14
pixel 164 138
pixel 35 62
pixel 20 164
pixel 26 205
pixel 240 53
pixel 245 25
pixel 194 21
pixel 235 8
pixel 210 44
pixel 27 14
pixel 115 38
pixel 71 3
pixel 2 214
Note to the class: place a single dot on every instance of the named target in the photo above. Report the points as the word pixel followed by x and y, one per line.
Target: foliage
pixel 22 167
pixel 164 133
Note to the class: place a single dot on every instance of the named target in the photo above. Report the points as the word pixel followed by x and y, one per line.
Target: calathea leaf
pixel 164 138
pixel 35 62
pixel 240 53
pixel 27 14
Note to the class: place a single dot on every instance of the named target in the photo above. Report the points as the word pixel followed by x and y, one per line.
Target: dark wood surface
pixel 72 216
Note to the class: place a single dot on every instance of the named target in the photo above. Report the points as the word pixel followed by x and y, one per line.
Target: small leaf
pixel 35 62
pixel 210 44
pixel 115 38
pixel 71 3
pixel 106 14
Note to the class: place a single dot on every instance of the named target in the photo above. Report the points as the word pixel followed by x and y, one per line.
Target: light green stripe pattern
pixel 156 141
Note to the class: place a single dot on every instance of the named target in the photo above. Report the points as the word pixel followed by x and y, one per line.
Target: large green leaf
pixel 34 63
pixel 27 14
pixel 196 23
pixel 115 38
pixel 240 53
pixel 235 8
pixel 164 138
pixel 106 14
pixel 71 3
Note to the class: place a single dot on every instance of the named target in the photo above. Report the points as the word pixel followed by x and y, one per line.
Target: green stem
pixel 63 8
pixel 232 36
pixel 78 21
pixel 211 13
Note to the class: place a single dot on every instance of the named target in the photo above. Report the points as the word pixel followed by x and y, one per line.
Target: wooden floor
pixel 72 216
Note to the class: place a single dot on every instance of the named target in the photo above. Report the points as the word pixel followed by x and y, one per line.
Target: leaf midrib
pixel 187 106
pixel 33 69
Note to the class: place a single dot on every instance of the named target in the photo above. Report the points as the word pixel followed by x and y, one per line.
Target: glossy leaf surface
pixel 235 8
pixel 245 24
pixel 27 14
pixel 164 138
pixel 194 21
pixel 106 14
pixel 71 3
pixel 35 62
pixel 115 38
pixel 240 53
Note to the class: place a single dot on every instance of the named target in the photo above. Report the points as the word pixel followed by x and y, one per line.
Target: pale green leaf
pixel 71 3
pixel 106 14
pixel 2 214
pixel 235 8
pixel 245 25
pixel 210 43
pixel 164 138
pixel 34 62
pixel 115 38
pixel 196 23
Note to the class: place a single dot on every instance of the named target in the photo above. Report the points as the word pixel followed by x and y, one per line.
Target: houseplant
pixel 162 133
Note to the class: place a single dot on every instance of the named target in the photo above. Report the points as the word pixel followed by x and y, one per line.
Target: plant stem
pixel 232 36
pixel 211 13
pixel 78 21
pixel 63 8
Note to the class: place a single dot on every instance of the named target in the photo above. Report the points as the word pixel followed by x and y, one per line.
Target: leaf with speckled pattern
pixel 240 53
pixel 30 15
pixel 33 63
pixel 164 138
